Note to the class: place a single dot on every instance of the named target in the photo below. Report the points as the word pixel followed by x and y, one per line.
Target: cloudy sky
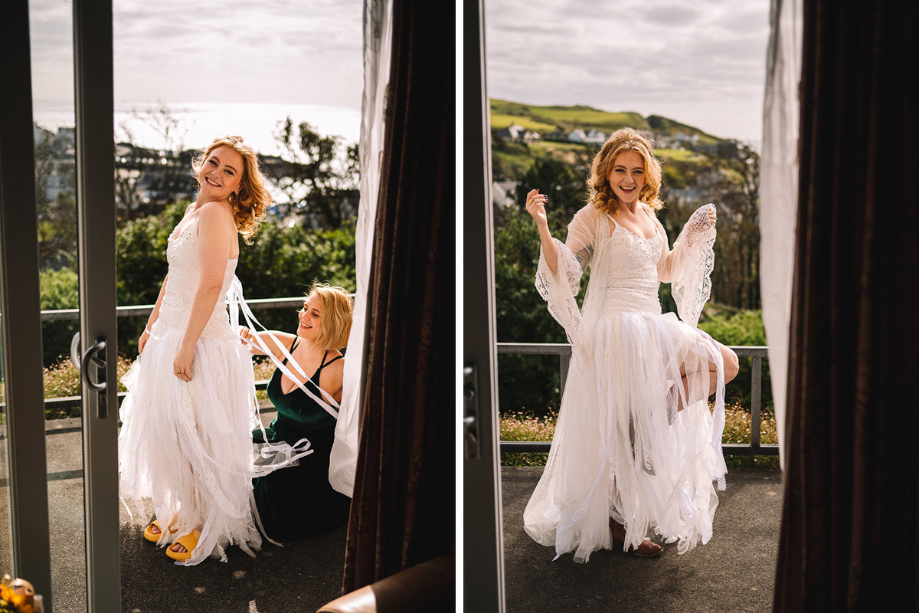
pixel 702 63
pixel 281 52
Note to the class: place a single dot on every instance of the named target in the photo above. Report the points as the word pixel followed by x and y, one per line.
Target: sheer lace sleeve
pixel 689 266
pixel 559 289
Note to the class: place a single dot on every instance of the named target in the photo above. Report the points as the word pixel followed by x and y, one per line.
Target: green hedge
pixel 742 328
pixel 282 261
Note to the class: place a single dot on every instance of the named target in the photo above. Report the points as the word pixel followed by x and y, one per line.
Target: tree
pixel 528 382
pixel 317 174
pixel 55 201
pixel 737 247
pixel 557 179
pixel 147 179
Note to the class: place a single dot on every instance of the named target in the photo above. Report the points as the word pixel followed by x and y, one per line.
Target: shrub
pixel 283 261
pixel 62 380
pixel 524 426
pixel 742 328
pixel 59 290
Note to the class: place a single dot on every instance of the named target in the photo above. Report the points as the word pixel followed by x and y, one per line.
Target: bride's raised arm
pixel 689 265
pixel 558 274
pixel 571 258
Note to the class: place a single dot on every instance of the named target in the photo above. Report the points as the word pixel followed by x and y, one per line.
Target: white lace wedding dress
pixel 188 445
pixel 621 447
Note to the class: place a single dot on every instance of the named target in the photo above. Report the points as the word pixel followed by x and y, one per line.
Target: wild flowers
pixel 526 426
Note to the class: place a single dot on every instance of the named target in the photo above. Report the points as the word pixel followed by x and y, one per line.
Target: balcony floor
pixel 301 576
pixel 735 571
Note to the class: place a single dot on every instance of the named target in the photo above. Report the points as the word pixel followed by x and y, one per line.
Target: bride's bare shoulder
pixel 216 216
pixel 215 210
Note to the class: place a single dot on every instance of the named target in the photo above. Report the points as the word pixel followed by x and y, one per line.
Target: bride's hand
pixel 536 206
pixel 712 216
pixel 181 367
pixel 245 334
pixel 142 342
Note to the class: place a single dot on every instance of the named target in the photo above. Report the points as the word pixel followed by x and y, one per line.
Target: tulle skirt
pixel 187 446
pixel 635 440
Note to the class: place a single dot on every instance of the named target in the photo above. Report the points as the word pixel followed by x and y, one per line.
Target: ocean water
pixel 200 122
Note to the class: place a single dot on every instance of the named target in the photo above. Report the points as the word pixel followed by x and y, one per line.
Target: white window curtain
pixel 377 54
pixel 779 192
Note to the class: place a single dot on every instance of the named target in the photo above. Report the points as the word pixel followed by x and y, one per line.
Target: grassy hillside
pixel 502 121
pixel 547 119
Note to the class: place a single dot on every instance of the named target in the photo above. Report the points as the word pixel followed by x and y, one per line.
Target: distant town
pixel 147 180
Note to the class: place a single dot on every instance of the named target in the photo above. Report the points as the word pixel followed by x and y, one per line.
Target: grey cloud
pixel 673 15
pixel 630 56
pixel 748 19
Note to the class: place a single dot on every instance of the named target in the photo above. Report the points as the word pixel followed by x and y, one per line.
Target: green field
pixel 499 122
pixel 586 117
pixel 678 155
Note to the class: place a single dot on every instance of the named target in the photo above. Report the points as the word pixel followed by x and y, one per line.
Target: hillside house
pixel 683 139
pixel 517 134
pixel 591 137
pixel 503 194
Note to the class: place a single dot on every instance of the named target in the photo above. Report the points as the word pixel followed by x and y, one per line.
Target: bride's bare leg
pixel 700 371
pixel 647 549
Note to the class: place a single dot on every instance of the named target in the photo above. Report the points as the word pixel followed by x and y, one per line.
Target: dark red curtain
pixel 850 524
pixel 403 510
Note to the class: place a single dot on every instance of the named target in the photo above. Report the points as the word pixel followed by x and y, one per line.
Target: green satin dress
pixel 298 502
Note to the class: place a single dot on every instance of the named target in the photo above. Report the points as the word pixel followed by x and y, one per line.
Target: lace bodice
pixel 632 280
pixel 184 276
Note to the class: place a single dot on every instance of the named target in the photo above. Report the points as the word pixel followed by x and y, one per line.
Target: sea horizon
pixel 201 122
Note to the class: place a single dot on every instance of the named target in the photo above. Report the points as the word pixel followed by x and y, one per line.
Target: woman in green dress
pixel 298 502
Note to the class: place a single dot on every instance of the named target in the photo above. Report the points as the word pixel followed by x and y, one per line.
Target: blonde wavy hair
pixel 620 141
pixel 335 318
pixel 253 199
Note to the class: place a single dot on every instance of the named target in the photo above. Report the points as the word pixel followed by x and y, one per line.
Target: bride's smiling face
pixel 221 173
pixel 627 176
pixel 310 318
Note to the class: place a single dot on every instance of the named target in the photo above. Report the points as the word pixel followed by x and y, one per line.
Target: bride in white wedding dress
pixel 185 442
pixel 636 448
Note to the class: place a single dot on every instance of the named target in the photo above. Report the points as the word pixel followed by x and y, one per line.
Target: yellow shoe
pixel 189 542
pixel 151 536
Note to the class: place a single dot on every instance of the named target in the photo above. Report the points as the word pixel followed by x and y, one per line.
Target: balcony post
pixel 564 360
pixel 757 386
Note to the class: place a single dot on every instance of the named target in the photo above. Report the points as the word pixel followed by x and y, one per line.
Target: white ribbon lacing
pixel 237 304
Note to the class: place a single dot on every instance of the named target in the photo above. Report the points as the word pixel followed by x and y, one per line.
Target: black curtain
pixel 403 510
pixel 850 524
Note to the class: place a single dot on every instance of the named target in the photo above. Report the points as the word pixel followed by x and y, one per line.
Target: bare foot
pixel 179 548
pixel 647 549
pixel 154 529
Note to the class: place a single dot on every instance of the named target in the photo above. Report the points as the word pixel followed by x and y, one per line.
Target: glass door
pixel 24 544
pixel 483 553
pixel 59 487
pixel 95 171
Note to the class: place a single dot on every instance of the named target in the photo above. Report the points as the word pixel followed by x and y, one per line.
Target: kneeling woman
pixel 298 502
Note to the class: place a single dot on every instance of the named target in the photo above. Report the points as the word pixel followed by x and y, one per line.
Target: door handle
pixel 471 412
pixel 91 361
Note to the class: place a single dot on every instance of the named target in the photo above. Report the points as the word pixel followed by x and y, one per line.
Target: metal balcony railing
pixel 563 351
pixel 145 310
